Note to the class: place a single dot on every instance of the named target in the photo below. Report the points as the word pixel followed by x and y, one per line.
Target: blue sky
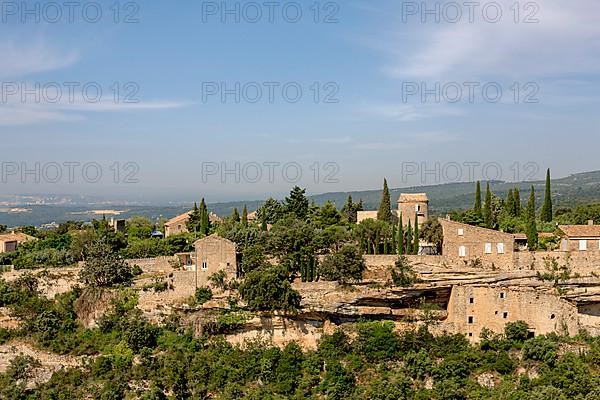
pixel 369 58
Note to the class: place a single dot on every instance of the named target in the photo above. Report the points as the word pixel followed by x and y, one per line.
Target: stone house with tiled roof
pixel 10 241
pixel 580 237
pixel 178 225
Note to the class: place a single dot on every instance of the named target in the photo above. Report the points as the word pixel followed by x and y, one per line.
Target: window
pixel 502 295
pixel 461 232
pixel 471 300
pixel 582 245
pixel 470 334
pixel 417 208
pixel 204 265
pixel 471 319
pixel 505 315
pixel 462 251
pixel 500 248
pixel 488 248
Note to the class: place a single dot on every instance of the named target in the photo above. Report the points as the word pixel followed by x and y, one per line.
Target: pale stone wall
pixel 473 240
pixel 156 264
pixel 214 254
pixel 472 308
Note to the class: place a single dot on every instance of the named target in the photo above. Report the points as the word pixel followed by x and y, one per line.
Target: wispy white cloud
pixel 411 112
pixel 31 56
pixel 565 40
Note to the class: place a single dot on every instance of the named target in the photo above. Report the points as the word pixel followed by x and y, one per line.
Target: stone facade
pixel 413 206
pixel 10 241
pixel 177 225
pixel 474 307
pixel 213 254
pixel 580 238
pixel 470 244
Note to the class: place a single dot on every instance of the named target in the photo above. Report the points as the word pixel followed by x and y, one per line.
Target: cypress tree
pixel 400 237
pixel 509 206
pixel 204 220
pixel 409 239
pixel 245 216
pixel 518 205
pixel 416 236
pixel 546 213
pixel 393 239
pixel 235 215
pixel 477 207
pixel 487 208
pixel 385 206
pixel 532 234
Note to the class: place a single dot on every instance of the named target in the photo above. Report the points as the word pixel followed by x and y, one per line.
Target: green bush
pixel 203 294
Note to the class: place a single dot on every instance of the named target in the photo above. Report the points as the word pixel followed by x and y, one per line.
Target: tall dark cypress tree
pixel 532 234
pixel 487 208
pixel 509 205
pixel 415 246
pixel 245 216
pixel 235 215
pixel 546 213
pixel 477 207
pixel 385 206
pixel 409 239
pixel 204 219
pixel 400 237
pixel 393 240
pixel 518 205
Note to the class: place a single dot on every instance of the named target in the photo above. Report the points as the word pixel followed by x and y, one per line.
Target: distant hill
pixel 571 190
pixel 568 191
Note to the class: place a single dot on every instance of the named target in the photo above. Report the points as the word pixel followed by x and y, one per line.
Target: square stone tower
pixel 411 205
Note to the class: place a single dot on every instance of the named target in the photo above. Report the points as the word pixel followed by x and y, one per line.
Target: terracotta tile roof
pixel 15 236
pixel 178 219
pixel 411 197
pixel 580 231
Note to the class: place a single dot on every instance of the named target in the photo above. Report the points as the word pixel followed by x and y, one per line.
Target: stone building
pixel 178 225
pixel 10 241
pixel 580 237
pixel 472 244
pixel 474 307
pixel 411 206
pixel 213 254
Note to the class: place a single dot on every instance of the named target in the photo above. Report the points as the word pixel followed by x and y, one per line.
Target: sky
pixel 243 100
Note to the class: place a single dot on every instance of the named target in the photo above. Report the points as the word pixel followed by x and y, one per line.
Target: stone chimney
pixel 590 222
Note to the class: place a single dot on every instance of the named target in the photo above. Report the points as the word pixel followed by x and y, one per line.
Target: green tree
pixel 350 209
pixel 204 219
pixel 245 216
pixel 385 206
pixel 409 239
pixel 270 212
pixel 344 266
pixel 518 205
pixel 400 238
pixel 139 228
pixel 297 203
pixel 509 205
pixel 546 212
pixel 194 220
pixel 269 289
pixel 103 267
pixel 432 232
pixel 235 215
pixel 416 237
pixel 487 208
pixel 532 233
pixel 477 208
